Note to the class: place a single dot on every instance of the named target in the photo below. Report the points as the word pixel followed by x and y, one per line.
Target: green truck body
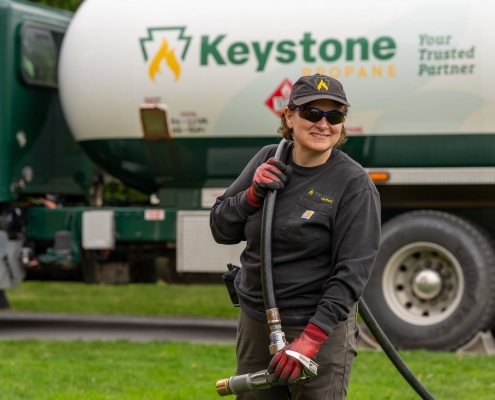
pixel 90 91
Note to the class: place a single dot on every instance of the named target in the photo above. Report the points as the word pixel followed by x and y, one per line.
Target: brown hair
pixel 288 133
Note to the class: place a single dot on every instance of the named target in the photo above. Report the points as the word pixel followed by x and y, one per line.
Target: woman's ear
pixel 345 119
pixel 288 117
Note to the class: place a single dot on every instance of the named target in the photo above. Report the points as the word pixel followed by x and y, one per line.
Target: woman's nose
pixel 322 123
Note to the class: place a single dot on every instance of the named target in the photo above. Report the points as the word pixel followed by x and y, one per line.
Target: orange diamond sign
pixel 280 97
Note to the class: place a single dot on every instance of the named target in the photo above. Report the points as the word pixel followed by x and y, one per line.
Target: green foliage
pixel 70 5
pixel 134 299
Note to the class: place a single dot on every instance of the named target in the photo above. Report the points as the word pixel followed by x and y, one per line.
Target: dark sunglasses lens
pixel 334 119
pixel 311 114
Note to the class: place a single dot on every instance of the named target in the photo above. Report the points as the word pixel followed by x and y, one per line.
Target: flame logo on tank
pixel 165 46
pixel 164 54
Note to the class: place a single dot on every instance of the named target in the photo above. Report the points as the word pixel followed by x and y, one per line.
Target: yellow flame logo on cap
pixel 321 85
pixel 164 54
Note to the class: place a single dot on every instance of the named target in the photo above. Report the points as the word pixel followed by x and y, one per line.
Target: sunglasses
pixel 333 117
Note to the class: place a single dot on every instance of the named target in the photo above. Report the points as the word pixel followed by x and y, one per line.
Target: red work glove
pixel 270 175
pixel 287 369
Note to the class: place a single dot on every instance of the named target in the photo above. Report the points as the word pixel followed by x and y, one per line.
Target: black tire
pixel 450 249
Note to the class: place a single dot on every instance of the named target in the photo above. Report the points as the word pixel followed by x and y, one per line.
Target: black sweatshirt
pixel 326 235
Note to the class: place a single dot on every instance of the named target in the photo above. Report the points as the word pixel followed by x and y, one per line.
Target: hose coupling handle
pixel 310 368
pixel 277 336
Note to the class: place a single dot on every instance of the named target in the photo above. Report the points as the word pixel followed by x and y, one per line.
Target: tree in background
pixel 70 5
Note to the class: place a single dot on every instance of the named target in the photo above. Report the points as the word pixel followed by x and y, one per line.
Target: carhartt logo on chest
pixel 323 197
pixel 307 214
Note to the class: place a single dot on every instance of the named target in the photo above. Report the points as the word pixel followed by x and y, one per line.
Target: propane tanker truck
pixel 174 98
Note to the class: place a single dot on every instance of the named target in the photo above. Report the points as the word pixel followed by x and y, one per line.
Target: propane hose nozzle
pixel 238 384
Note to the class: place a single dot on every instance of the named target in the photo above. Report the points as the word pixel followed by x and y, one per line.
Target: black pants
pixel 335 360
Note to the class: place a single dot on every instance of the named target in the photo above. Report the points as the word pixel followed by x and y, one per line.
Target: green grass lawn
pixel 134 299
pixel 111 370
pixel 123 370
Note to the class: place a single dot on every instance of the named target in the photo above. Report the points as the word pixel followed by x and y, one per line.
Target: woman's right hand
pixel 270 175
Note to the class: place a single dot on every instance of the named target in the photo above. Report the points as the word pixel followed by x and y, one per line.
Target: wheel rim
pixel 423 283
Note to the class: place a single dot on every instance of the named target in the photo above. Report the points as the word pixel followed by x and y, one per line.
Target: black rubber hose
pixel 391 353
pixel 266 236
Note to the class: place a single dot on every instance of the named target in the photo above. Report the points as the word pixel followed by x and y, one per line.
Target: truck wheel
pixel 433 284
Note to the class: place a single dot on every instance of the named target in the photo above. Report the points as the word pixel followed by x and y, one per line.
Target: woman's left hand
pixel 287 369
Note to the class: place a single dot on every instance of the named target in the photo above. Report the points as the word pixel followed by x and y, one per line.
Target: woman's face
pixel 314 137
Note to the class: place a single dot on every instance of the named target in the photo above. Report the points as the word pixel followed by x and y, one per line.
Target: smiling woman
pixel 325 239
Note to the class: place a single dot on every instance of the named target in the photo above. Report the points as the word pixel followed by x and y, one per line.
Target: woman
pixel 326 235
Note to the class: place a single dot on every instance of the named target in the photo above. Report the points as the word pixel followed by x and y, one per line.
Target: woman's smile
pixel 319 135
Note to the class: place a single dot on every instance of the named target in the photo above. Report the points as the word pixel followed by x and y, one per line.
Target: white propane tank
pixel 221 69
pixel 221 61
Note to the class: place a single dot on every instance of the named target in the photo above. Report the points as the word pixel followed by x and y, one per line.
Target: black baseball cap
pixel 317 87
